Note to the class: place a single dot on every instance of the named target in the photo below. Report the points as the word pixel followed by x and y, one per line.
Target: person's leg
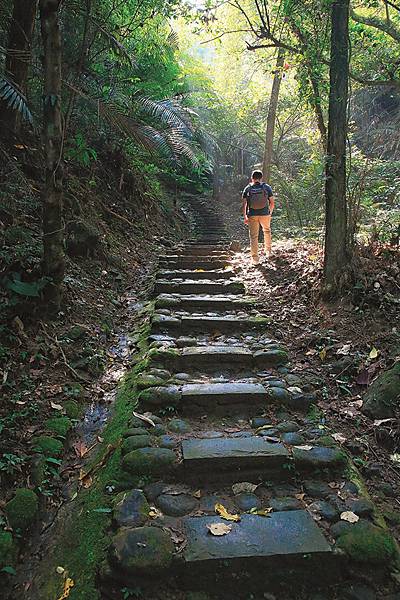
pixel 254 226
pixel 265 222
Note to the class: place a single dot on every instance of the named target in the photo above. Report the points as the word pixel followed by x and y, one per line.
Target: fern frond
pixel 15 99
pixel 167 111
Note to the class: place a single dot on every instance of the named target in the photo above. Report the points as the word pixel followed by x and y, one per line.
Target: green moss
pixel 21 511
pixel 73 409
pixel 59 425
pixel 135 442
pixel 367 543
pixel 83 541
pixel 7 549
pixel 149 461
pixel 48 446
pixel 146 380
pixel 326 440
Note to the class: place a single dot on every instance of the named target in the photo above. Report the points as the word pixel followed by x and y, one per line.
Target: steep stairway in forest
pixel 245 494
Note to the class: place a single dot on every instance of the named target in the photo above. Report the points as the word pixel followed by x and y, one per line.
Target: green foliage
pixel 80 152
pixel 22 510
pixel 14 98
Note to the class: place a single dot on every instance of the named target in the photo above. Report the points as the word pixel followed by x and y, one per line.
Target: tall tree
pixel 271 118
pixel 336 258
pixel 53 229
pixel 18 57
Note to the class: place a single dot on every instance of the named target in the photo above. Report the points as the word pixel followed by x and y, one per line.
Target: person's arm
pixel 271 204
pixel 244 207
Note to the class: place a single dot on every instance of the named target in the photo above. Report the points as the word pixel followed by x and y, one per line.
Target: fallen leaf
pixel 80 448
pixel 263 428
pixel 86 481
pixel 68 585
pixel 197 494
pixel 261 512
pixel 349 516
pixel 379 422
pixel 374 353
pixel 221 510
pixel 219 528
pixel 299 496
pixel 144 418
pixel 56 406
pixel 364 377
pixel 322 354
pixel 60 570
pixel 339 437
pixel 334 485
pixel 154 513
pixel 305 447
pixel 395 457
pixel 344 350
pixel 244 486
pixel 294 390
pixel 356 403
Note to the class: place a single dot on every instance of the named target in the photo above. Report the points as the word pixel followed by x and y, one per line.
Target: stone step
pixel 198 287
pixel 277 542
pixel 203 250
pixel 204 302
pixel 237 458
pixel 191 260
pixel 206 357
pixel 196 275
pixel 206 324
pixel 206 265
pixel 218 396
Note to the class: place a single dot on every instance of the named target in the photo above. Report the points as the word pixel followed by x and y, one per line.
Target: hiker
pixel 258 206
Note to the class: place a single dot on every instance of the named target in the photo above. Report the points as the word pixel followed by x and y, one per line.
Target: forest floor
pixel 345 344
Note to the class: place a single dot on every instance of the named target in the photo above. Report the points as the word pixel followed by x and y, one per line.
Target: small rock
pixel 278 394
pixel 319 457
pixel 153 490
pixel 295 439
pixel 284 490
pixel 186 342
pixel 270 432
pixel 135 431
pixel 325 509
pixel 351 488
pixel 361 507
pixel 285 503
pixel 176 506
pixel 134 442
pixel 211 434
pixel 149 461
pixel 179 426
pixel 368 543
pixel 182 377
pixel 246 501
pixel 131 509
pixel 167 441
pixel 317 489
pixel 141 551
pixel 373 469
pixel 337 529
pixel 158 430
pixel 242 434
pixel 288 427
pixel 387 489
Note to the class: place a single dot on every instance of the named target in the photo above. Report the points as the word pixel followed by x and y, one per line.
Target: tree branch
pixel 380 24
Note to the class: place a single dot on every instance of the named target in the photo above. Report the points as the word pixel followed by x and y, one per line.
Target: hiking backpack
pixel 258 197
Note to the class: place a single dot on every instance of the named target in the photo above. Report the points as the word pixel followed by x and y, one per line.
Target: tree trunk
pixel 271 118
pixel 336 258
pixel 53 228
pixel 18 57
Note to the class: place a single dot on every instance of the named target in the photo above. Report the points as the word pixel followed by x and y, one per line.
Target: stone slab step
pixel 190 259
pixel 203 302
pixel 200 250
pixel 283 534
pixel 199 357
pixel 198 287
pixel 206 265
pixel 196 275
pixel 235 457
pixel 220 395
pixel 206 324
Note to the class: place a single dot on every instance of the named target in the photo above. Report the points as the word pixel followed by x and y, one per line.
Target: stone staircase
pixel 248 444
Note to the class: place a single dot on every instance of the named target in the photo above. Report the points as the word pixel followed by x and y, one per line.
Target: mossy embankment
pixel 81 534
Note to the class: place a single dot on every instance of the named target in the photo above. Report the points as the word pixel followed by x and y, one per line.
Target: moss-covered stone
pixel 326 440
pixel 22 510
pixel 134 442
pixel 141 551
pixel 7 549
pixel 179 426
pixel 72 409
pixel 59 425
pixel 136 431
pixel 383 396
pixel 167 302
pixel 48 446
pixel 148 461
pixel 161 396
pixel 131 509
pixel 367 543
pixel 319 457
pixel 146 380
pixel 271 357
pixel 163 356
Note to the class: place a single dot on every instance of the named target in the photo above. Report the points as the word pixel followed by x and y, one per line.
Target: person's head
pixel 256 176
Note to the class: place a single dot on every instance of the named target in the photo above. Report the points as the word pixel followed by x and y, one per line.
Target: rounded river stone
pixel 131 509
pixel 246 501
pixel 288 427
pixel 287 503
pixel 134 442
pixel 176 505
pixel 167 441
pixel 179 426
pixel 141 551
pixel 295 439
pixel 148 461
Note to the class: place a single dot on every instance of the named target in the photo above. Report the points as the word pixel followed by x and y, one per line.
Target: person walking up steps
pixel 258 206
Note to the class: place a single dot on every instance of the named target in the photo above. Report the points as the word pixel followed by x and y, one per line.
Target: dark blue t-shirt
pixel 254 212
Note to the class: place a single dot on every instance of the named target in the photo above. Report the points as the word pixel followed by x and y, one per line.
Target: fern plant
pixel 14 98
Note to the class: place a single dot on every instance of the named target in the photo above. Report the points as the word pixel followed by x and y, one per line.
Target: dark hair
pixel 257 175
